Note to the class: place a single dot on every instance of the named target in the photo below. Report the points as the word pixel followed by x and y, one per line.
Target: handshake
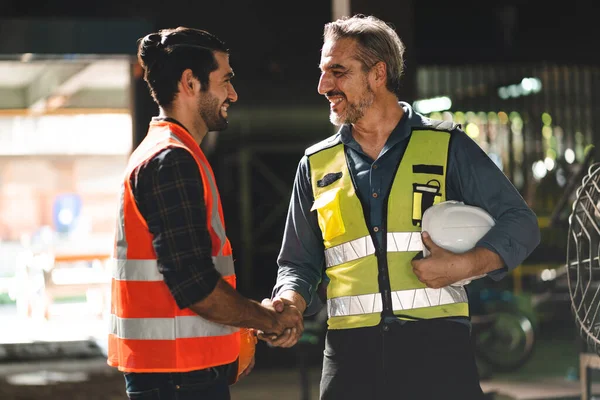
pixel 287 320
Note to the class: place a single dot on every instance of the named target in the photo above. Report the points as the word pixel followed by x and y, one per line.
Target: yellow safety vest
pixel 354 296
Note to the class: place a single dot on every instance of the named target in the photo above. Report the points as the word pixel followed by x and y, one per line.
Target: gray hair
pixel 377 41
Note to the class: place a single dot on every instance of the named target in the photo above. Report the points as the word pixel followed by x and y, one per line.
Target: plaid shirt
pixel 169 193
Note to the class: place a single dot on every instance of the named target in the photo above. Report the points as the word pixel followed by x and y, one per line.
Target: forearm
pixel 481 261
pixel 514 237
pixel 228 307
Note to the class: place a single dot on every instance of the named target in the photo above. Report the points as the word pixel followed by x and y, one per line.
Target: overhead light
pixel 526 87
pixel 26 57
pixel 48 104
pixel 539 169
pixel 569 156
pixel 434 104
pixel 55 102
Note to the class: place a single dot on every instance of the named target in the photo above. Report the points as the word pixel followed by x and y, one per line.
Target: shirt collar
pixel 400 132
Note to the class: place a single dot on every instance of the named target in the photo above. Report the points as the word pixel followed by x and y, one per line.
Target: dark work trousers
pixel 209 383
pixel 422 360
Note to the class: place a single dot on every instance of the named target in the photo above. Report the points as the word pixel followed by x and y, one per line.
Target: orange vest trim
pixel 148 331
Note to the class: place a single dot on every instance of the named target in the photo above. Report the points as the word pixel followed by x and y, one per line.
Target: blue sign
pixel 65 211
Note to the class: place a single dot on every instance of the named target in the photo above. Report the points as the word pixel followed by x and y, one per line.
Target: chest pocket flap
pixel 329 214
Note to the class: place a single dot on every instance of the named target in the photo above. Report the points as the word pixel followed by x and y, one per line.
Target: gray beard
pixel 353 112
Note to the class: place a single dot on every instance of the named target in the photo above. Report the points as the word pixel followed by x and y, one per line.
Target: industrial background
pixel 522 77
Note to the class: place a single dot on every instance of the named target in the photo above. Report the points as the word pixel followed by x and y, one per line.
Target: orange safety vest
pixel 148 331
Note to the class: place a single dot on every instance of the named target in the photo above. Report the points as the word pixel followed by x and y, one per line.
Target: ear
pixel 379 74
pixel 188 84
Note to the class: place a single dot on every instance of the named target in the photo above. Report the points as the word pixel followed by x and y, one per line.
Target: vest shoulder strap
pixel 324 144
pixel 438 125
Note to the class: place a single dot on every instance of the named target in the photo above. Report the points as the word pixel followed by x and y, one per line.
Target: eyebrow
pixel 333 66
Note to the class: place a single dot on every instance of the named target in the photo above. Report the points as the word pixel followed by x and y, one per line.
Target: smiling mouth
pixel 224 108
pixel 334 101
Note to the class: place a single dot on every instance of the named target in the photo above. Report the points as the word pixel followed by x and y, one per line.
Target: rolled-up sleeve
pixel 301 258
pixel 476 180
pixel 170 195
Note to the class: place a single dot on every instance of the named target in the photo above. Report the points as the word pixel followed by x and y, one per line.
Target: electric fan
pixel 583 258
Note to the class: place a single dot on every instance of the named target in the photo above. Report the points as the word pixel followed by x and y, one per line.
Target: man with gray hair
pixel 398 322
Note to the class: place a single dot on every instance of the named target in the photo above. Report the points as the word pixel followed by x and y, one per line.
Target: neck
pixel 198 131
pixel 378 123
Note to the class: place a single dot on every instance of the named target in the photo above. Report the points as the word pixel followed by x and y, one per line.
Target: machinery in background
pixel 504 329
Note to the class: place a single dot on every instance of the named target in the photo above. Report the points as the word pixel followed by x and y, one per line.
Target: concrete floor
pixel 93 380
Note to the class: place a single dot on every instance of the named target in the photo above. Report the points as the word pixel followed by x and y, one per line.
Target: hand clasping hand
pixel 290 317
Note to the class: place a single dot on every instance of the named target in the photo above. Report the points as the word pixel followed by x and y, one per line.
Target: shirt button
pixel 386 327
pixel 177 387
pixel 374 166
pixel 374 194
pixel 376 229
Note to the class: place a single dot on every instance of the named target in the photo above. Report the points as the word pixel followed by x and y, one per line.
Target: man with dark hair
pixel 398 326
pixel 175 313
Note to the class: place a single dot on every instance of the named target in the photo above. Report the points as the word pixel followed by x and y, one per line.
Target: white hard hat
pixel 455 226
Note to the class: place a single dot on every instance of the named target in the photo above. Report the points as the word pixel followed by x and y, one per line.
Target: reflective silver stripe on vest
pixel 349 251
pixel 404 241
pixel 224 264
pixel 121 240
pixel 147 270
pixel 401 300
pixel 362 247
pixel 136 270
pixel 215 219
pixel 166 328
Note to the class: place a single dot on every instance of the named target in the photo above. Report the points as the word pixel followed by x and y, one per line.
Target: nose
pixel 325 84
pixel 232 95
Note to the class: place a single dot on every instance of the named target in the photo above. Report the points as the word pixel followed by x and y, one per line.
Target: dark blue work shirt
pixel 472 178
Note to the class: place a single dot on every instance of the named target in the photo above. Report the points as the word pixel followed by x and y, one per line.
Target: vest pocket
pixel 424 196
pixel 329 214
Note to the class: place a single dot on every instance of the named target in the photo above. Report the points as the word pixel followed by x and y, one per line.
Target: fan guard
pixel 583 258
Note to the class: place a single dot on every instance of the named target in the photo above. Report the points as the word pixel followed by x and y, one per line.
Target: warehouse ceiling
pixel 30 85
